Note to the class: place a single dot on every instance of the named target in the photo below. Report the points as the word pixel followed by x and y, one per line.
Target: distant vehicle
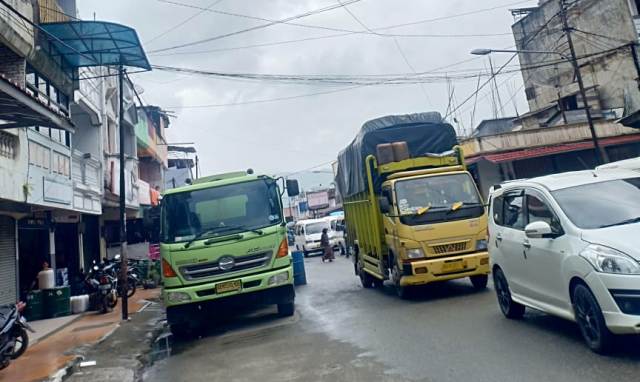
pixel 224 242
pixel 338 230
pixel 308 233
pixel 413 213
pixel 629 164
pixel 568 245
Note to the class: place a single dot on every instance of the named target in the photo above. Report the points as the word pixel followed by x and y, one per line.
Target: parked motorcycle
pixel 132 276
pixel 14 339
pixel 102 286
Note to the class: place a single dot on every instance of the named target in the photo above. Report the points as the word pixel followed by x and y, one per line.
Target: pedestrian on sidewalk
pixel 327 249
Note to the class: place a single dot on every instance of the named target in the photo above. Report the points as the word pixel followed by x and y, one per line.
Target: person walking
pixel 327 249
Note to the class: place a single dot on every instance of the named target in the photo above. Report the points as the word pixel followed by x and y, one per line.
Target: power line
pixel 257 27
pixel 178 25
pixel 397 44
pixel 346 33
pixel 334 29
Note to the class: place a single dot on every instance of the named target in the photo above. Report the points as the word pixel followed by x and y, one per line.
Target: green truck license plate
pixel 229 286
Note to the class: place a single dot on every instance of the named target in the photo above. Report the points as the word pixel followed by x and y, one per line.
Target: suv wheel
pixel 509 308
pixel 590 320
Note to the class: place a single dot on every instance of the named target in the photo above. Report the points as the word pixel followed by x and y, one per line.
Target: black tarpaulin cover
pixel 425 133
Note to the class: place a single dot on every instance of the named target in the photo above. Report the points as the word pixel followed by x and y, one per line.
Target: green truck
pixel 224 243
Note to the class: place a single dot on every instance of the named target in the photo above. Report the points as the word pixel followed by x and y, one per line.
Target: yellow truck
pixel 413 212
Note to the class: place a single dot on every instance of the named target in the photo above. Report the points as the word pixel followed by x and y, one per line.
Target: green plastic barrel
pixel 57 302
pixel 35 306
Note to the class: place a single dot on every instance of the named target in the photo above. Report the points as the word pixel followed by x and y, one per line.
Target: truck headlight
pixel 176 297
pixel 415 253
pixel 280 278
pixel 481 245
pixel 609 260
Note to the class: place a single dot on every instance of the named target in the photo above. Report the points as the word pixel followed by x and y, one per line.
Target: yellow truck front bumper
pixel 443 269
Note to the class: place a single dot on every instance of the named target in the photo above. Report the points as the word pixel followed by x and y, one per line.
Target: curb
pixel 58 329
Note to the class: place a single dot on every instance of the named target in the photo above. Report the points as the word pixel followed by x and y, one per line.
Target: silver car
pixel 569 245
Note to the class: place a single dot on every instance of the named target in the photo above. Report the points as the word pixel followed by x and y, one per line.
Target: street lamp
pixel 485 51
pixel 574 63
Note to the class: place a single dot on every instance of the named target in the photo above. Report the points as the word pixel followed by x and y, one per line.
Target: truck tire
pixel 286 309
pixel 366 279
pixel 479 281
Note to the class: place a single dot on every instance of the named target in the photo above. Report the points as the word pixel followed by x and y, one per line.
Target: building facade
pixel 554 136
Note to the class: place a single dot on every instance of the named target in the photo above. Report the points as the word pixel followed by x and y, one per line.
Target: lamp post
pixel 576 67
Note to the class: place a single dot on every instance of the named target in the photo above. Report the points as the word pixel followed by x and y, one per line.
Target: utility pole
pixel 123 216
pixel 600 157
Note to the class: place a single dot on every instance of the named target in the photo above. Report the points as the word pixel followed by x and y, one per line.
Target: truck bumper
pixel 251 284
pixel 443 269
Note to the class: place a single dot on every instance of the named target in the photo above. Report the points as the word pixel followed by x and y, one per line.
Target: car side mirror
pixel 385 207
pixel 538 230
pixel 293 188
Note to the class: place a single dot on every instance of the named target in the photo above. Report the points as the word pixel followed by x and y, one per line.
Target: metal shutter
pixel 8 270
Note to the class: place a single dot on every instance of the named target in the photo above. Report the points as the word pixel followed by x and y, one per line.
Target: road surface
pixel 342 332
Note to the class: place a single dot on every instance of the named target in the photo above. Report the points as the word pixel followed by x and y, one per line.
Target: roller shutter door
pixel 8 269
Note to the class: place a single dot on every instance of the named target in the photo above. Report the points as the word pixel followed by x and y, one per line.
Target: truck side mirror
pixel 385 206
pixel 293 189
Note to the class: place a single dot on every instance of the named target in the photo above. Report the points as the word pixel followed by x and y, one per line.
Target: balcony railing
pixel 90 89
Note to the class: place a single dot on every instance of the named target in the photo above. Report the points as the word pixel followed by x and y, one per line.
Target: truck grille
pixel 242 263
pixel 445 249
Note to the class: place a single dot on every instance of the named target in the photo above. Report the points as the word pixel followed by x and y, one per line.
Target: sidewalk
pixel 56 350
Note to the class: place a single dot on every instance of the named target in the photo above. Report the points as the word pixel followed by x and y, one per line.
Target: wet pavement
pixel 341 332
pixel 60 348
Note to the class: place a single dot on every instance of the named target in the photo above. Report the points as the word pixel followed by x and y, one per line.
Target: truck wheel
pixel 479 281
pixel 366 279
pixel 404 292
pixel 286 309
pixel 377 283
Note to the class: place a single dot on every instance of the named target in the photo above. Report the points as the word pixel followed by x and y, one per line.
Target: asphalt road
pixel 341 332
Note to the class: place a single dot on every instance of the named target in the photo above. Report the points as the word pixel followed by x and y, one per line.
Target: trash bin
pixel 35 307
pixel 299 275
pixel 57 302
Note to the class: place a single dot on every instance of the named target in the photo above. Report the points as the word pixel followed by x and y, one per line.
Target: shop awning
pixel 97 43
pixel 19 108
pixel 552 150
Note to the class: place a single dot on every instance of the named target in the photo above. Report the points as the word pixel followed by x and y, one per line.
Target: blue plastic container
pixel 299 275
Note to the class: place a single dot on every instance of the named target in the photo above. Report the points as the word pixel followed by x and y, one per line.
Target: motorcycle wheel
pixel 22 343
pixel 131 287
pixel 105 304
pixel 112 300
pixel 4 362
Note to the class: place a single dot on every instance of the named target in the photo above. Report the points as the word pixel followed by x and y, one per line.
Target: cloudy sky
pixel 293 129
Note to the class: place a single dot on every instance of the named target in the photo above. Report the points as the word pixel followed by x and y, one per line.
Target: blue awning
pixel 97 43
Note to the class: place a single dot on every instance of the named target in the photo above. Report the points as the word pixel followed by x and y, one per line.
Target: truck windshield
pixel 438 198
pixel 239 207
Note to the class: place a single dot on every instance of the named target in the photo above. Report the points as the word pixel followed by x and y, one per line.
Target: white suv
pixel 569 245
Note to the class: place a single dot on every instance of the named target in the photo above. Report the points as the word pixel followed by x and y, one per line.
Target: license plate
pixel 229 286
pixel 454 266
pixel 105 286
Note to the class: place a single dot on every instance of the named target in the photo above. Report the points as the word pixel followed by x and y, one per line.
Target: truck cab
pixel 224 243
pixel 435 227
